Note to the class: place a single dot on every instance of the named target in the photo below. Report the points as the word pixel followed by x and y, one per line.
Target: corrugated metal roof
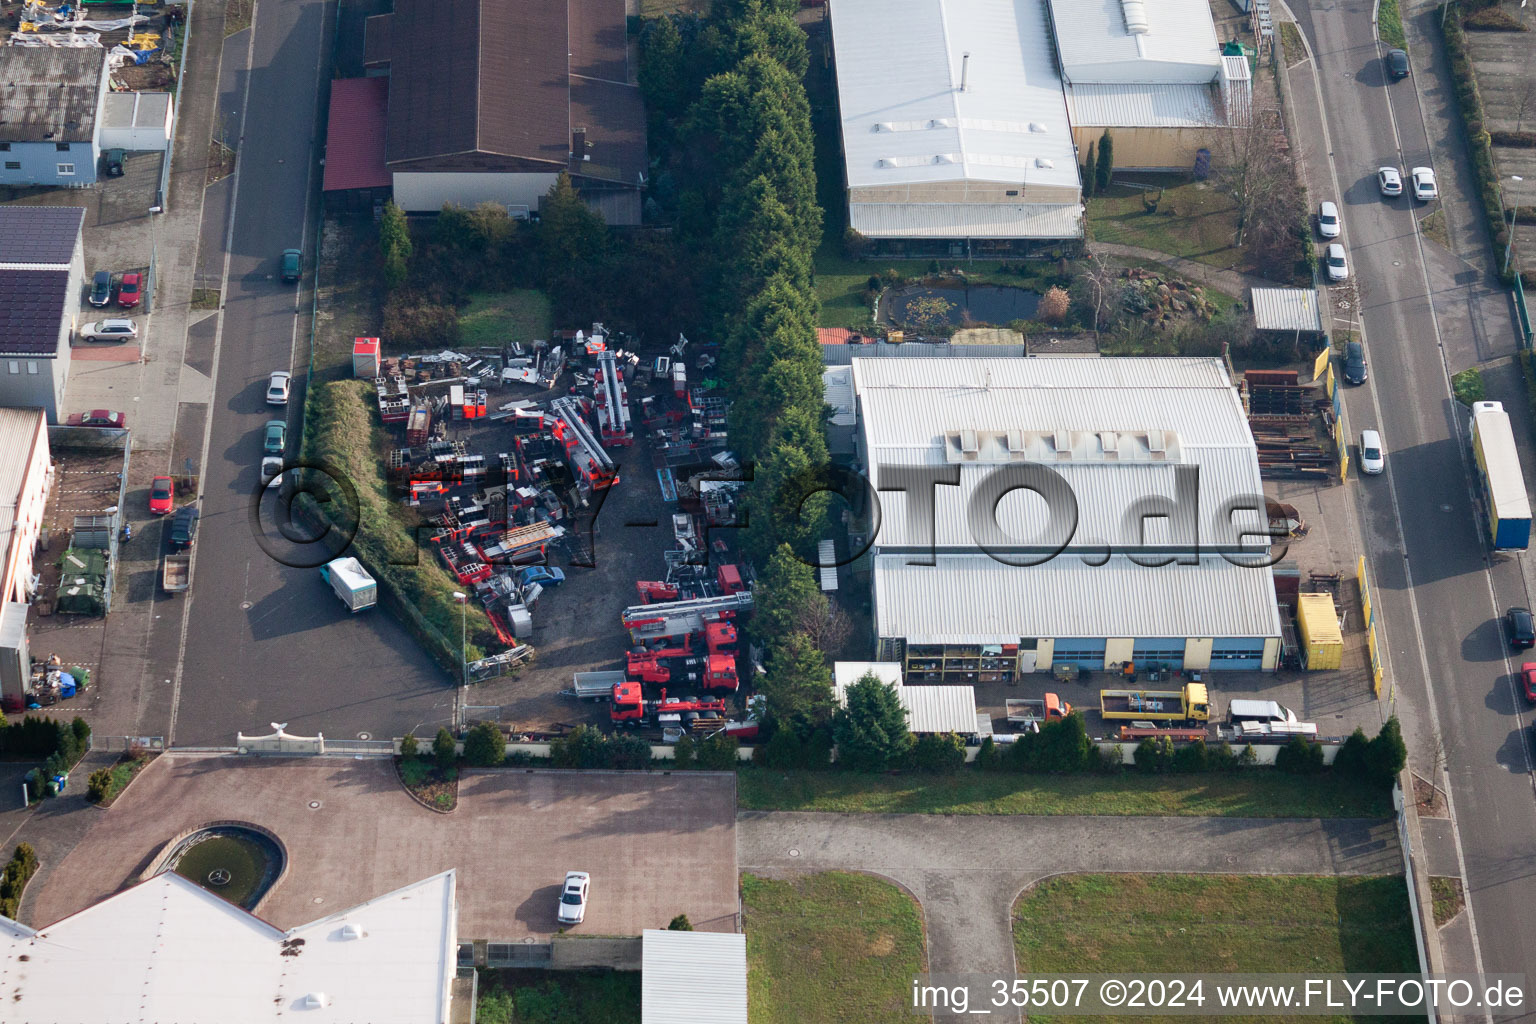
pixel 905 117
pixel 354 141
pixel 19 429
pixel 1115 429
pixel 966 220
pixel 1143 105
pixel 972 599
pixel 929 708
pixel 837 391
pixel 1096 45
pixel 1287 309
pixel 693 977
pixel 844 355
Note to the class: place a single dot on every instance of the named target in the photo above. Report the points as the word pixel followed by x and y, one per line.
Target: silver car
pixel 1390 181
pixel 1328 220
pixel 277 387
pixel 110 330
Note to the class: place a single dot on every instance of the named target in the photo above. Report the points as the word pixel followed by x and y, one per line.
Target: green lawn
pixel 833 947
pixel 494 318
pixel 558 997
pixel 1254 793
pixel 1193 220
pixel 1150 924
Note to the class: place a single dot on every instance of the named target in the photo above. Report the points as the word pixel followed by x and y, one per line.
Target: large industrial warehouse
pixel 1154 456
pixel 966 148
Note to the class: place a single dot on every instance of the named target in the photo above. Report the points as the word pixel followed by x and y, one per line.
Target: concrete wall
pixel 427 192
pixel 1147 149
pixel 29 503
pixel 34 381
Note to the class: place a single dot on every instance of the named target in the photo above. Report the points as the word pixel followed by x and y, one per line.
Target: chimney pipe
pixel 965 69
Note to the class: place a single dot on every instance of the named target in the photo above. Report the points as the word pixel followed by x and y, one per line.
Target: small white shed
pixel 138 122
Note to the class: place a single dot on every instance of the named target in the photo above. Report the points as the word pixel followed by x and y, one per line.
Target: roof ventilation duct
pixel 1136 17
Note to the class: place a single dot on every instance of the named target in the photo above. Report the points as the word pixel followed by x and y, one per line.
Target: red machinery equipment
pixel 705 671
pixel 631 708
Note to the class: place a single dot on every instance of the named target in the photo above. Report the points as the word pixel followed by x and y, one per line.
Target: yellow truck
pixel 1191 704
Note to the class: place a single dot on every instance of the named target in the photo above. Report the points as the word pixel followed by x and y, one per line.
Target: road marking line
pixel 1429 686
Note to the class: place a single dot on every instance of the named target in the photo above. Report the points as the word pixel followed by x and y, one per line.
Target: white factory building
pixel 954 125
pixel 964 121
pixel 1141 542
pixel 168 950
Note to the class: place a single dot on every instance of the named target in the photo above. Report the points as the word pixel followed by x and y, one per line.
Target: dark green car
pixel 276 437
pixel 293 265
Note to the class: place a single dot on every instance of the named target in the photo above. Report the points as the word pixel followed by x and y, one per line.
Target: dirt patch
pixel 221 161
pixel 429 785
pixel 1430 799
pixel 205 298
pixel 1448 898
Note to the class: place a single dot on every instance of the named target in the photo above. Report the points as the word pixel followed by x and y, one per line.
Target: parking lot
pixel 656 846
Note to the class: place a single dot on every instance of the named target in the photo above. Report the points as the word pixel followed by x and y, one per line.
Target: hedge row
pixel 13 881
pixel 1479 142
pixel 340 434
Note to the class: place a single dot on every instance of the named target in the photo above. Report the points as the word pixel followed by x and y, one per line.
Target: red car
pixel 162 494
pixel 98 418
pixel 128 291
pixel 1528 680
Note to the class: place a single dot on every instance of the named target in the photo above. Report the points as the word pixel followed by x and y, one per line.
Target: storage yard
pixel 542 502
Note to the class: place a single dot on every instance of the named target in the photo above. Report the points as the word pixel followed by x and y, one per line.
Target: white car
pixel 1373 457
pixel 1333 259
pixel 1390 181
pixel 277 388
pixel 1328 220
pixel 573 897
pixel 1424 188
pixel 271 469
pixel 110 330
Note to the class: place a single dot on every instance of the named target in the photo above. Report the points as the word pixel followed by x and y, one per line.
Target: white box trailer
pixel 351 582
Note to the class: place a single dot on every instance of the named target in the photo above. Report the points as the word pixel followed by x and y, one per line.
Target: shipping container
pixel 365 358
pixel 1322 641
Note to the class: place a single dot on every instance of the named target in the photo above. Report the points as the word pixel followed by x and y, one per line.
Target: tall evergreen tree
pixel 871 729
pixel 1104 170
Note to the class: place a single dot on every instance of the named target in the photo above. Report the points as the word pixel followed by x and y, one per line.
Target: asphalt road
pixel 267 642
pixel 1440 596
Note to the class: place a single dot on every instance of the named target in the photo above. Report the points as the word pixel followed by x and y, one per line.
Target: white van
pixel 1266 711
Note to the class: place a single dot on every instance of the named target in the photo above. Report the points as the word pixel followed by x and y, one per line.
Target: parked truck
pixel 1191 704
pixel 351 583
pixel 1505 504
pixel 1027 713
pixel 631 708
pixel 175 573
pixel 594 685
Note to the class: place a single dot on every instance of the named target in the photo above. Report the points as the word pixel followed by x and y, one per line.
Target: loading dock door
pixel 1242 653
pixel 1085 654
pixel 1168 653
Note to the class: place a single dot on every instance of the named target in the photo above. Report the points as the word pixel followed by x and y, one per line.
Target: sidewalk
pixel 141 638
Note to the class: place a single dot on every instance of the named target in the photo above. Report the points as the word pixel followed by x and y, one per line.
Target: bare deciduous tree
pixel 1252 166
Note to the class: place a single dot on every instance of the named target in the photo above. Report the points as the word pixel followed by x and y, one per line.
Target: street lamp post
pixel 463 599
pixel 1509 247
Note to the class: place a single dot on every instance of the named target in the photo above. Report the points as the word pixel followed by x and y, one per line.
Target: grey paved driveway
pixel 967 871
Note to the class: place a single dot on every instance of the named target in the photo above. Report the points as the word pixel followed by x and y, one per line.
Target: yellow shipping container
pixel 1322 642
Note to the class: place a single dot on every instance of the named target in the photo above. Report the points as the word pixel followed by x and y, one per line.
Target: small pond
pixel 238 864
pixel 992 304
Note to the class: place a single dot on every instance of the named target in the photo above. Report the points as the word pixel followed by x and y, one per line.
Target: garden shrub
pixel 719 753
pixel 938 752
pixel 683 752
pixel 484 746
pixel 1192 757
pixel 1300 757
